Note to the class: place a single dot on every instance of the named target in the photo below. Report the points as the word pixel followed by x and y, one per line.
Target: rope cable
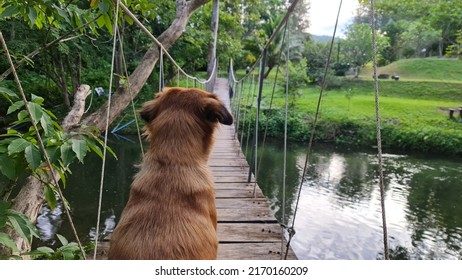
pixel 250 121
pixel 161 70
pixel 270 109
pixel 379 136
pixel 154 39
pixel 238 106
pixel 245 111
pixel 284 169
pixel 103 166
pixel 138 130
pixel 310 144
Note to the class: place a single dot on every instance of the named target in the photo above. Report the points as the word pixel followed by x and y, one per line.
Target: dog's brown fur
pixel 171 210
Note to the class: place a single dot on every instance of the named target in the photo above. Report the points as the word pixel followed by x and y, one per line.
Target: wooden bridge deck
pixel 247 228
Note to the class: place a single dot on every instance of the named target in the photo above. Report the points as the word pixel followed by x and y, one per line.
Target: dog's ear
pixel 216 111
pixel 150 109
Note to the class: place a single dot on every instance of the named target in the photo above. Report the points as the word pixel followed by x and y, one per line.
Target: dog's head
pixel 186 103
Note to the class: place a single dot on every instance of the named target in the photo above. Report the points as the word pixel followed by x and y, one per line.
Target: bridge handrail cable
pixel 164 50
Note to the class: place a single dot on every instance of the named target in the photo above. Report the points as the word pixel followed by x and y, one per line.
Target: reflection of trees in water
pixel 434 213
pixel 82 190
pixel 271 174
pixel 428 191
pixel 347 176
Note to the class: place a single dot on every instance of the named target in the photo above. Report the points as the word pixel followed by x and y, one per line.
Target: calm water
pixel 339 214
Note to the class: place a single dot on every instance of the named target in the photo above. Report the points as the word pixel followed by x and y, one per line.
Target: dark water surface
pixel 339 215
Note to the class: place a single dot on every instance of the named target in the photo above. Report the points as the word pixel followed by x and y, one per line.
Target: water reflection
pixel 339 212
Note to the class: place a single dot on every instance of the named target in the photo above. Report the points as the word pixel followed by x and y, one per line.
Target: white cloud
pixel 324 12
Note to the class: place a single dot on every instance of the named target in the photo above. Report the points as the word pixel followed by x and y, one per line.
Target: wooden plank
pixel 234 186
pixel 255 215
pixel 252 251
pixel 249 232
pixel 238 193
pixel 242 203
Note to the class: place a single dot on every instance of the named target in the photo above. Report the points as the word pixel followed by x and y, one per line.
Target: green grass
pixel 429 69
pixel 414 113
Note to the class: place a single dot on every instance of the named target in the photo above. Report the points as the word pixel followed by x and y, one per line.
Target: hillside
pixel 429 69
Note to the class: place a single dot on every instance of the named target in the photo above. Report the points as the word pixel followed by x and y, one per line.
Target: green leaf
pixel 9 11
pixel 95 149
pixel 2 221
pixel 129 20
pixel 32 15
pixel 62 239
pixel 63 13
pixel 67 255
pixel 19 226
pixel 15 106
pixel 49 113
pixel 53 153
pixel 67 154
pixel 4 205
pixel 8 94
pixel 37 99
pixel 47 124
pixel 22 115
pixel 50 197
pixel 36 111
pixel 33 156
pixel 45 250
pixel 108 23
pixel 6 240
pixel 17 146
pixel 7 167
pixel 80 148
pixel 100 21
pixel 103 6
pixel 62 175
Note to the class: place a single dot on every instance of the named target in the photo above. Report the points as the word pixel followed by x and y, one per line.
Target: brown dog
pixel 171 210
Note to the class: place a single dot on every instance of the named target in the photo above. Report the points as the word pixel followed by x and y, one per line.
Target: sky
pixel 324 12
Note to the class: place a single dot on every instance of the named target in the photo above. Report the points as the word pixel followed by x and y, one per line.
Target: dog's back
pixel 171 210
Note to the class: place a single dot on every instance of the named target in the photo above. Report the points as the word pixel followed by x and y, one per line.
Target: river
pixel 338 215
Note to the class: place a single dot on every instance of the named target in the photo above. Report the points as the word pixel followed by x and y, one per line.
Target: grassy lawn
pixel 414 111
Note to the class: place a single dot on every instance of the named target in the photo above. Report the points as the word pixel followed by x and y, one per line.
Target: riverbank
pixel 415 115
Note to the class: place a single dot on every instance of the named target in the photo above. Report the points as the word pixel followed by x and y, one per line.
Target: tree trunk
pixel 30 198
pixel 270 67
pixel 123 95
pixel 63 83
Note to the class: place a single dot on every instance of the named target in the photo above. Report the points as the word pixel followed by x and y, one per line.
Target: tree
pixel 445 17
pixel 418 38
pixel 455 50
pixel 123 95
pixel 357 45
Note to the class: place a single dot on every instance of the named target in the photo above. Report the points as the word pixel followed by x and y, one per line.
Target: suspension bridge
pixel 247 228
